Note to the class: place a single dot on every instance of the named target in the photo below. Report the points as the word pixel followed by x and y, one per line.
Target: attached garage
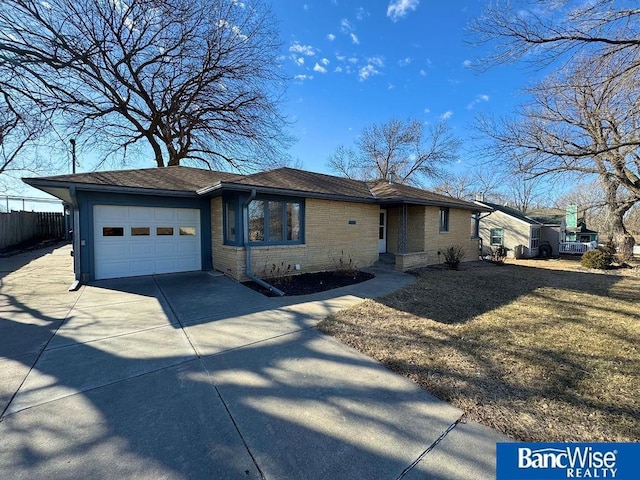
pixel 134 240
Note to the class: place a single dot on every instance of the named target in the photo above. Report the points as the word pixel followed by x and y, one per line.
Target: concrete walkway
pixel 195 376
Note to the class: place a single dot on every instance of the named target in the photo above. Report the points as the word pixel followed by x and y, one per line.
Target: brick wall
pixel 329 237
pixel 459 234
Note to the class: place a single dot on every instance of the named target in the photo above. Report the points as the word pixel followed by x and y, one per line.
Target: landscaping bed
pixel 539 350
pixel 308 283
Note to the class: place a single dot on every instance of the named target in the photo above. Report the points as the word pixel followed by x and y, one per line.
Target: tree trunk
pixel 618 235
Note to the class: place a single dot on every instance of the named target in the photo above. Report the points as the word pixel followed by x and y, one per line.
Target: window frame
pixel 443 220
pixel 492 236
pixel 240 219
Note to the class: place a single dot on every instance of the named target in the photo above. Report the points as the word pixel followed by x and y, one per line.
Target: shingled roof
pixel 169 178
pixel 393 192
pixel 511 211
pixel 286 181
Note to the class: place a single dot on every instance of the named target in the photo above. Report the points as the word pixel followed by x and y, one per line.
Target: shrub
pixel 345 266
pixel 598 258
pixel 499 255
pixel 277 274
pixel 453 256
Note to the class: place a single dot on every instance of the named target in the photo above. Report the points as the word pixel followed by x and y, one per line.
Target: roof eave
pixel 432 203
pixel 43 185
pixel 287 192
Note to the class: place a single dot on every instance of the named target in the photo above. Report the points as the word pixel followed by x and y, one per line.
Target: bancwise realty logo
pixel 551 461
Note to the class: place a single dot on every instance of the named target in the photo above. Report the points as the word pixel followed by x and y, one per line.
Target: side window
pixel 444 219
pixel 230 219
pixel 497 236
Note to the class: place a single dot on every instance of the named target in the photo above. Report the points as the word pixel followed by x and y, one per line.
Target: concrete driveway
pixel 195 376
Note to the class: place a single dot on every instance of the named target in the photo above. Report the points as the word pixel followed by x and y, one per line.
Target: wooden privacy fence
pixel 17 227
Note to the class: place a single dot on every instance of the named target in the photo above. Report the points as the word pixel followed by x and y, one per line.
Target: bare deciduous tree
pixel 542 31
pixel 189 79
pixel 583 121
pixel 475 183
pixel 397 150
pixel 19 127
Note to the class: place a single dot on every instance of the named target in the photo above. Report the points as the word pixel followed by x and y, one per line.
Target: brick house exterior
pixel 146 221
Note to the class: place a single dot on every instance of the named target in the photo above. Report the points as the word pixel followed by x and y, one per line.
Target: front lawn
pixel 539 350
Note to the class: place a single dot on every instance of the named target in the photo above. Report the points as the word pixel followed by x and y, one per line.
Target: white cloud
pixel 340 58
pixel 446 115
pixel 427 110
pixel 297 47
pixel 319 68
pixel 361 13
pixel 237 3
pixel 403 62
pixel 324 61
pixel 338 69
pixel 345 26
pixel 400 8
pixel 367 71
pixel 302 78
pixel 354 38
pixel 299 60
pixel 391 86
pixel 483 97
pixel 423 72
pixel 467 63
pixel 378 61
pixel 352 60
pixel 331 37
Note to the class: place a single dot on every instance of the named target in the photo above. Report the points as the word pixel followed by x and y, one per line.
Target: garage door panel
pixel 186 248
pixel 140 267
pixel 191 216
pixel 140 250
pixel 187 264
pixel 166 248
pixel 165 214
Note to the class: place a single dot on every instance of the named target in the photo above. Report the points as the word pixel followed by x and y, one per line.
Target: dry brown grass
pixel 541 351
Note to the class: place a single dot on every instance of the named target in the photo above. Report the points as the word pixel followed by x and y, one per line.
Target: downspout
pixel 75 241
pixel 247 247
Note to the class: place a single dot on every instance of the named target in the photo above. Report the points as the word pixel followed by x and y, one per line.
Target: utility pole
pixel 73 155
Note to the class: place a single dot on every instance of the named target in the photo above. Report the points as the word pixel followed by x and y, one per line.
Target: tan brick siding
pixel 424 236
pixel 328 238
pixel 459 234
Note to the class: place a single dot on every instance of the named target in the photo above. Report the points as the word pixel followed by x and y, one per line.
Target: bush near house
pixel 598 258
pixel 453 256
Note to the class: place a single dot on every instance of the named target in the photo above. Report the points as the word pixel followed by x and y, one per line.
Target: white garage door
pixel 132 241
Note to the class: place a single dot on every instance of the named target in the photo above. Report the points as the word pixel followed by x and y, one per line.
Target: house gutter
pixel 247 247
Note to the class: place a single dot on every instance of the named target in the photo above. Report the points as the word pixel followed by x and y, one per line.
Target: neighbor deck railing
pixel 577 248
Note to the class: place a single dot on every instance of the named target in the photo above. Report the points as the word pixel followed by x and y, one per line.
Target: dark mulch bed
pixel 307 283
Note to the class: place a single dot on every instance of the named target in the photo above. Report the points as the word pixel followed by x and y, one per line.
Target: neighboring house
pixel 161 220
pixel 519 233
pixel 524 234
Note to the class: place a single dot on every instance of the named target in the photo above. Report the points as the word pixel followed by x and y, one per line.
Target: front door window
pixel 382 232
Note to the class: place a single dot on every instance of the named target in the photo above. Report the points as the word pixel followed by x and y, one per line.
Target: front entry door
pixel 382 232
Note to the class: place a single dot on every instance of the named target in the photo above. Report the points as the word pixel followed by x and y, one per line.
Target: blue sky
pixel 354 63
